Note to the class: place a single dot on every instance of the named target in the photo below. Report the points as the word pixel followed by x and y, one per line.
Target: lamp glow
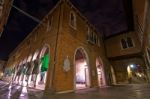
pixel 132 66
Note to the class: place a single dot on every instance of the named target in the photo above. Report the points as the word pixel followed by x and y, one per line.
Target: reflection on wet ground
pixel 132 91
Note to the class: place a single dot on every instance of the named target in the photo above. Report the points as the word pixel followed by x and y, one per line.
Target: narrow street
pixel 132 91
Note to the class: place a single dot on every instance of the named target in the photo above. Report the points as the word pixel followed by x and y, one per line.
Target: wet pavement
pixel 132 91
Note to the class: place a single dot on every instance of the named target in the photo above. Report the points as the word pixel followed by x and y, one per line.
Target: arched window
pixel 123 43
pixel 73 20
pixel 88 33
pixel 99 43
pixel 94 38
pixel 129 42
pixel 49 24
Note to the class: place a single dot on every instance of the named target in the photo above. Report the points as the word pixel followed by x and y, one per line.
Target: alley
pixel 132 91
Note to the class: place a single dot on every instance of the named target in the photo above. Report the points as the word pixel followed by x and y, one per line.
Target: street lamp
pixel 132 66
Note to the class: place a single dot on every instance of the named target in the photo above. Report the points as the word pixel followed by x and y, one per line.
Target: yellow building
pixel 63 53
pixel 128 59
pixel 5 6
pixel 124 50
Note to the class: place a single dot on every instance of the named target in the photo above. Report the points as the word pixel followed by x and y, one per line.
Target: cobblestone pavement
pixel 132 91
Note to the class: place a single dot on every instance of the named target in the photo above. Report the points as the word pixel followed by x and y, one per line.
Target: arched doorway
pixel 29 70
pixel 18 73
pixel 23 72
pixel 33 67
pixel 44 58
pixel 100 72
pixel 82 77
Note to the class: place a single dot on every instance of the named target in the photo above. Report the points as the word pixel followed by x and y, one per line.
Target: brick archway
pixel 81 69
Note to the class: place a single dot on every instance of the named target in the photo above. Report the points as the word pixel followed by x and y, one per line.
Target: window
pixel 73 20
pixel 123 43
pixel 99 44
pixel 126 43
pixel 95 39
pixel 49 24
pixel 92 37
pixel 88 33
pixel 129 42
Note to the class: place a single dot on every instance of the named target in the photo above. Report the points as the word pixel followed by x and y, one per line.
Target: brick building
pixel 128 53
pixel 146 33
pixel 63 53
pixel 5 6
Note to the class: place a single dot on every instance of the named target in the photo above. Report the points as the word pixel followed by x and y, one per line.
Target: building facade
pixel 124 51
pixel 5 7
pixel 146 39
pixel 128 58
pixel 63 53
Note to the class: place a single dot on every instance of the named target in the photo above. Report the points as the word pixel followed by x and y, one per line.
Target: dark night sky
pixel 107 15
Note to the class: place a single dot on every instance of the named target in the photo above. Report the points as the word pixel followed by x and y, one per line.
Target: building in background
pixel 124 51
pixel 128 57
pixel 5 7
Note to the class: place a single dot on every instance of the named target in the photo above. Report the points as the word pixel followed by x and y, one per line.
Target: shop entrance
pixel 82 79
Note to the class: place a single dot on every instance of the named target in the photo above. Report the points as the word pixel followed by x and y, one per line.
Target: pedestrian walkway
pixel 131 91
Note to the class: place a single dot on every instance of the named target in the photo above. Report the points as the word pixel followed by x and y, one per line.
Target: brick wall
pixel 6 7
pixel 63 41
pixel 114 46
